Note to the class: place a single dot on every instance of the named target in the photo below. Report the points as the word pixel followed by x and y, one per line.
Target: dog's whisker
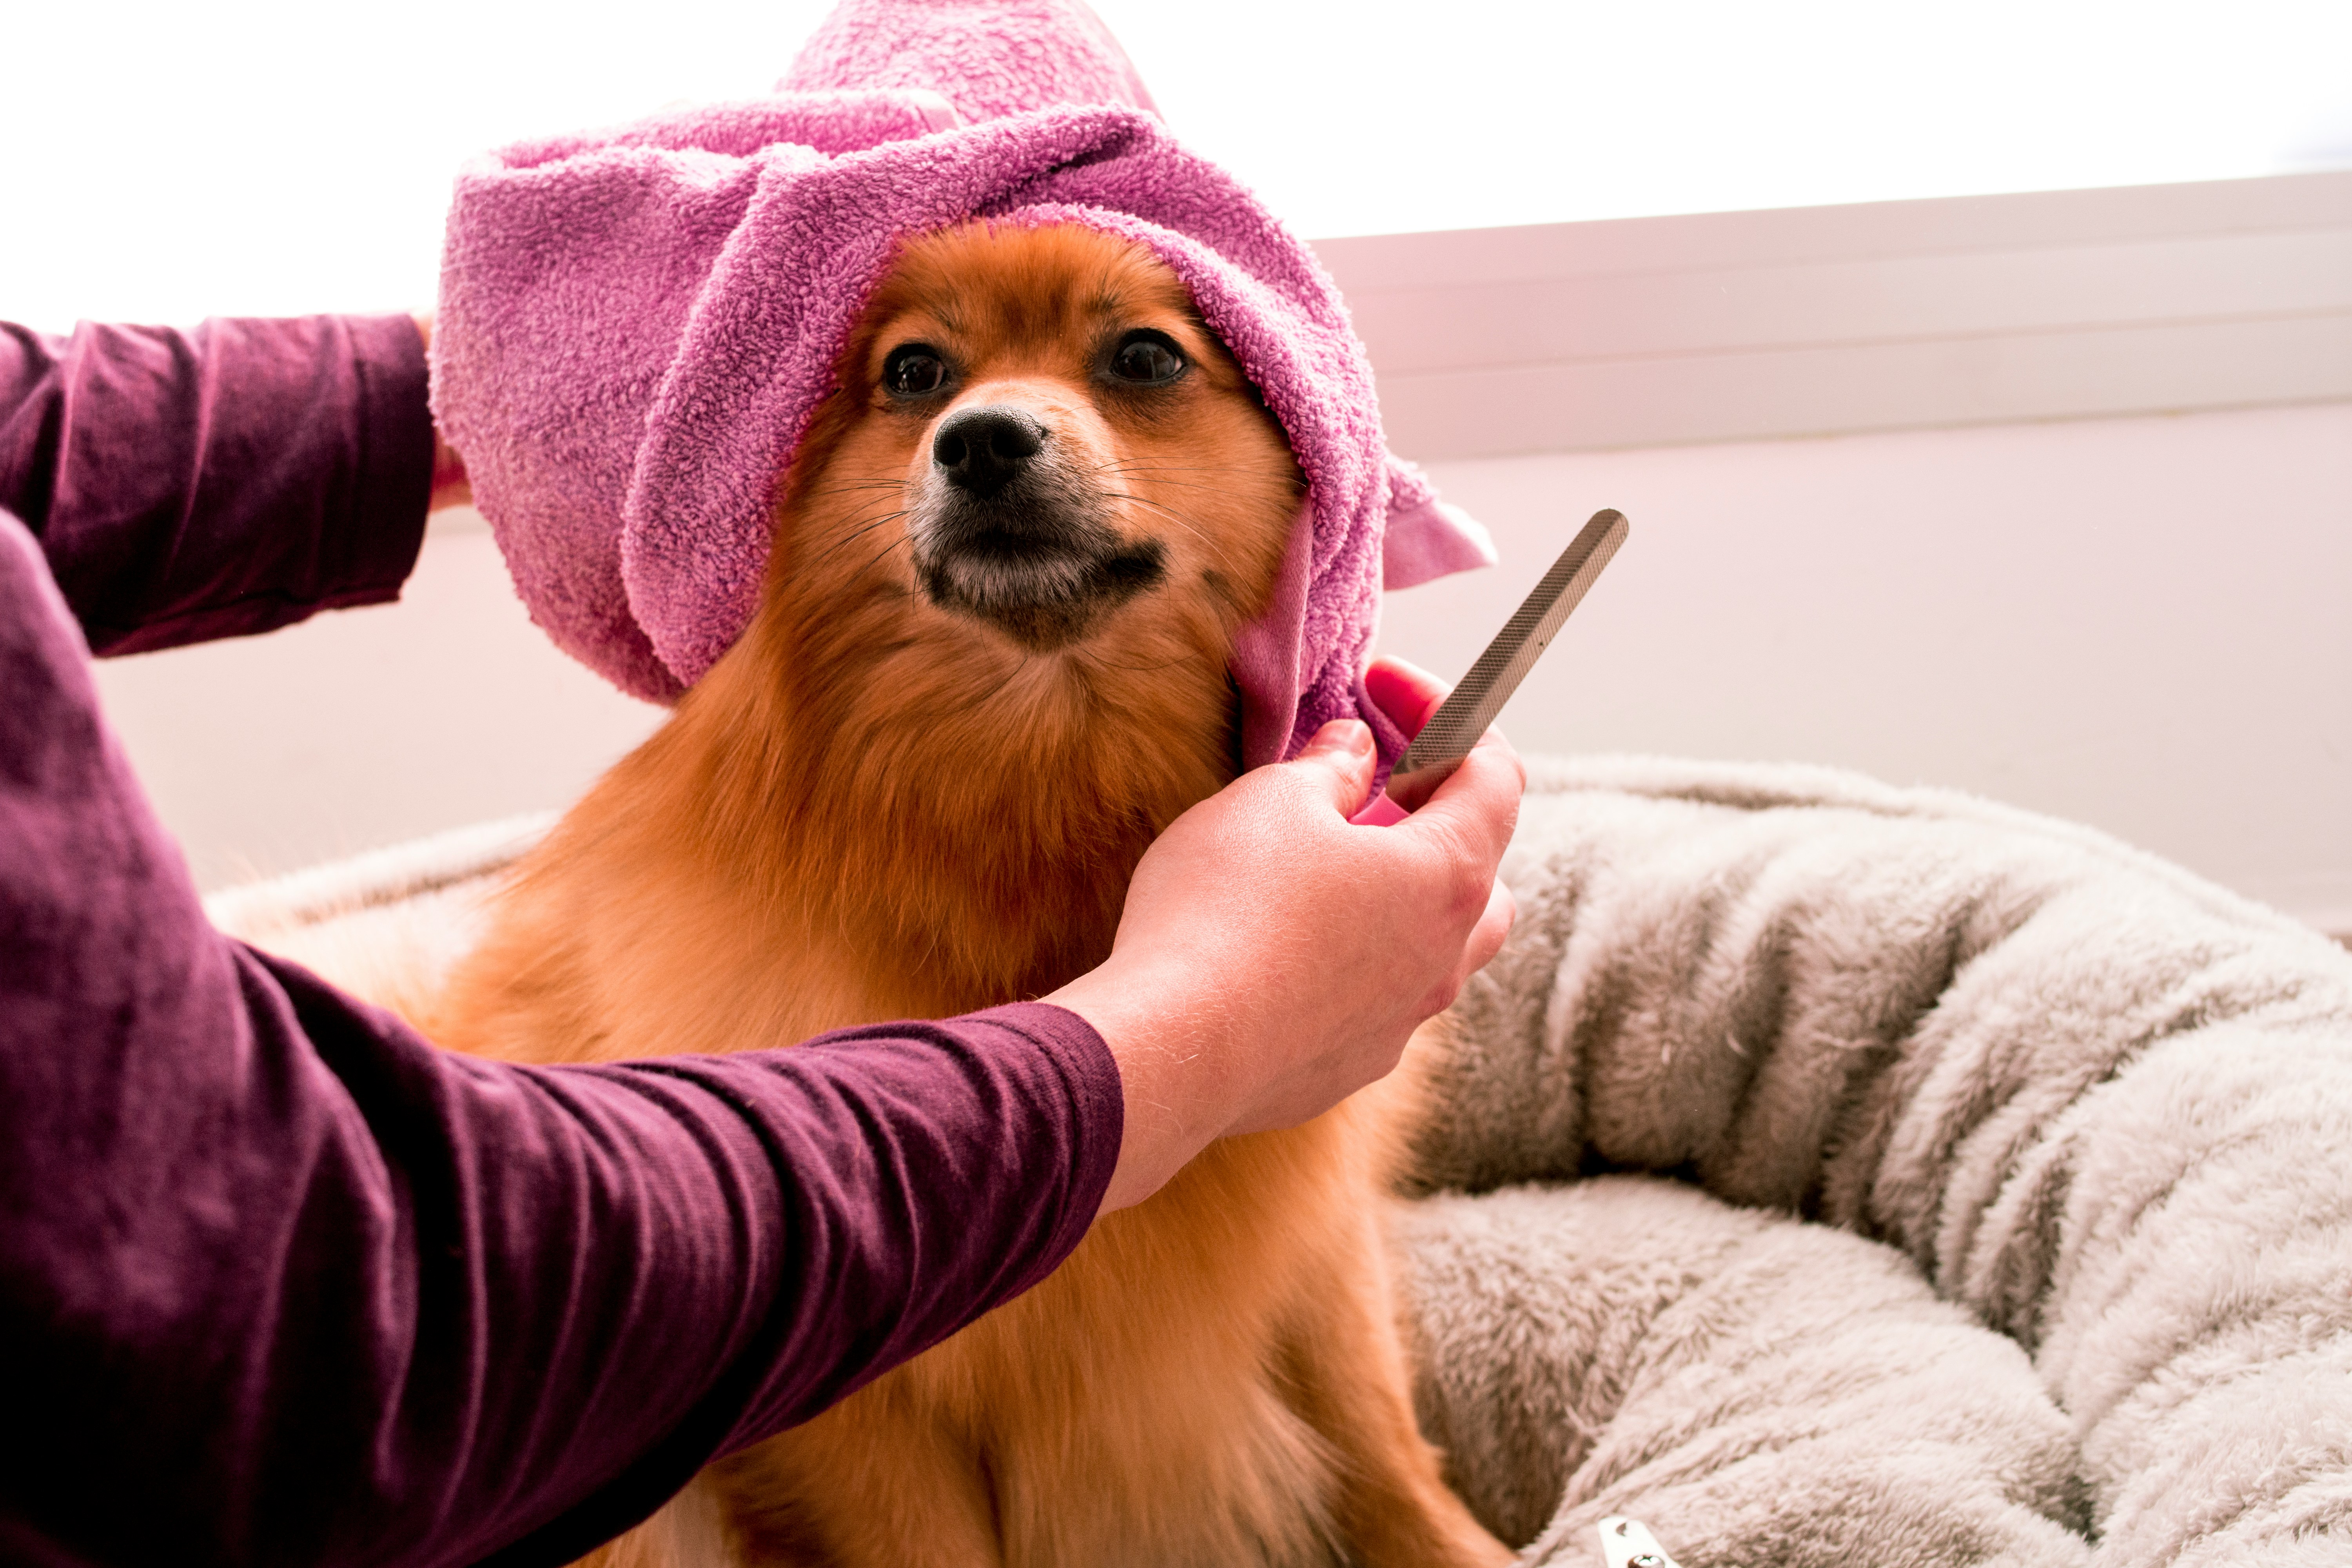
pixel 1128 464
pixel 1182 484
pixel 865 521
pixel 869 566
pixel 1216 550
pixel 865 524
pixel 846 540
pixel 876 482
pixel 1160 476
pixel 1156 505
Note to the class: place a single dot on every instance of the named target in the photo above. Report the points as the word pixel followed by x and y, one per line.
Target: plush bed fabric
pixel 1829 1174
pixel 2100 1106
pixel 1757 1390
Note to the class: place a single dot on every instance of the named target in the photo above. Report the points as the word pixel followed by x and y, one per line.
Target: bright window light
pixel 166 162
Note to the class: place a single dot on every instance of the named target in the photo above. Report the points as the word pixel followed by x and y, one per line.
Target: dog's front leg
pixel 874 1482
pixel 1347 1378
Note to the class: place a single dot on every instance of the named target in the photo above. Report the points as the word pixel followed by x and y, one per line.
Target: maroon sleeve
pixel 279 1283
pixel 187 485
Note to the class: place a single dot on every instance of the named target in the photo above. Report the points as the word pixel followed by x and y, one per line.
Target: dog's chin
pixel 1044 597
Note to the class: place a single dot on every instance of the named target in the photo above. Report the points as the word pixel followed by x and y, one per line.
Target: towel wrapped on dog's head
pixel 636 326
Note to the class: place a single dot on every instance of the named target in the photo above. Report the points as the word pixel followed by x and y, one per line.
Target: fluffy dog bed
pixel 1830 1175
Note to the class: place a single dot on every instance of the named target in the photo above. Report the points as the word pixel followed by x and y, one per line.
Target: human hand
pixel 450 485
pixel 1273 958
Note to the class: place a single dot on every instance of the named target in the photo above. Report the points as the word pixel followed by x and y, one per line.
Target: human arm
pixel 335 1296
pixel 218 481
pixel 309 1291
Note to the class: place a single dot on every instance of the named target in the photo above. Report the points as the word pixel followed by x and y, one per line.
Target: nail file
pixel 1464 716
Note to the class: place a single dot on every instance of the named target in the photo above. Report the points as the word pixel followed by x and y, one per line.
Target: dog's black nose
pixel 983 449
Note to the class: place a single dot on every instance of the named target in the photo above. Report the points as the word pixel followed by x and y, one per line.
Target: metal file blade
pixel 1464 716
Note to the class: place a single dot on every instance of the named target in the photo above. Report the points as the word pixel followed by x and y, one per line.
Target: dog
pixel 990 665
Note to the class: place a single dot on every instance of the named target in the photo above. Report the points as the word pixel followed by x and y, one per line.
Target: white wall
pixel 2137 623
pixel 2141 623
pixel 367 727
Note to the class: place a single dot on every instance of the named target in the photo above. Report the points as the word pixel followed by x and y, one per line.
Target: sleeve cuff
pixel 1098 1106
pixel 395 482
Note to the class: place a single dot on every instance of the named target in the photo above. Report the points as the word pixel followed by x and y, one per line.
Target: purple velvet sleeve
pixel 279 1283
pixel 187 485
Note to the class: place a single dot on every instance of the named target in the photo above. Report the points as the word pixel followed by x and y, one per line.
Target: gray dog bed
pixel 1833 1174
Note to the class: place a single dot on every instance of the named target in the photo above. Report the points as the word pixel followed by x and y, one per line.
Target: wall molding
pixel 1889 315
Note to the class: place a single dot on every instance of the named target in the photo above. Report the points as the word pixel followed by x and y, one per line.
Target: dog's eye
pixel 1147 358
pixel 914 369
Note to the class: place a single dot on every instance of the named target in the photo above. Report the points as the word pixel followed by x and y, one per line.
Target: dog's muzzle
pixel 1007 530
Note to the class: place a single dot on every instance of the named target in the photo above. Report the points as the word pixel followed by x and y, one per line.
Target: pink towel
pixel 637 324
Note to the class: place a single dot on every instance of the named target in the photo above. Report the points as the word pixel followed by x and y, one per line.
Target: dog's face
pixel 1046 451
pixel 990 660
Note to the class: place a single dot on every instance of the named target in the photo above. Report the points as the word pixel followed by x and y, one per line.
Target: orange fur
pixel 875 807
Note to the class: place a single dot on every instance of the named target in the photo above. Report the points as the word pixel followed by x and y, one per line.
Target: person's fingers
pixel 1407 693
pixel 1478 950
pixel 1477 804
pixel 1494 928
pixel 1412 791
pixel 1342 756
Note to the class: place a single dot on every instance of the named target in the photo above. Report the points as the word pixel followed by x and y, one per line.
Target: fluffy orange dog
pixel 989 668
